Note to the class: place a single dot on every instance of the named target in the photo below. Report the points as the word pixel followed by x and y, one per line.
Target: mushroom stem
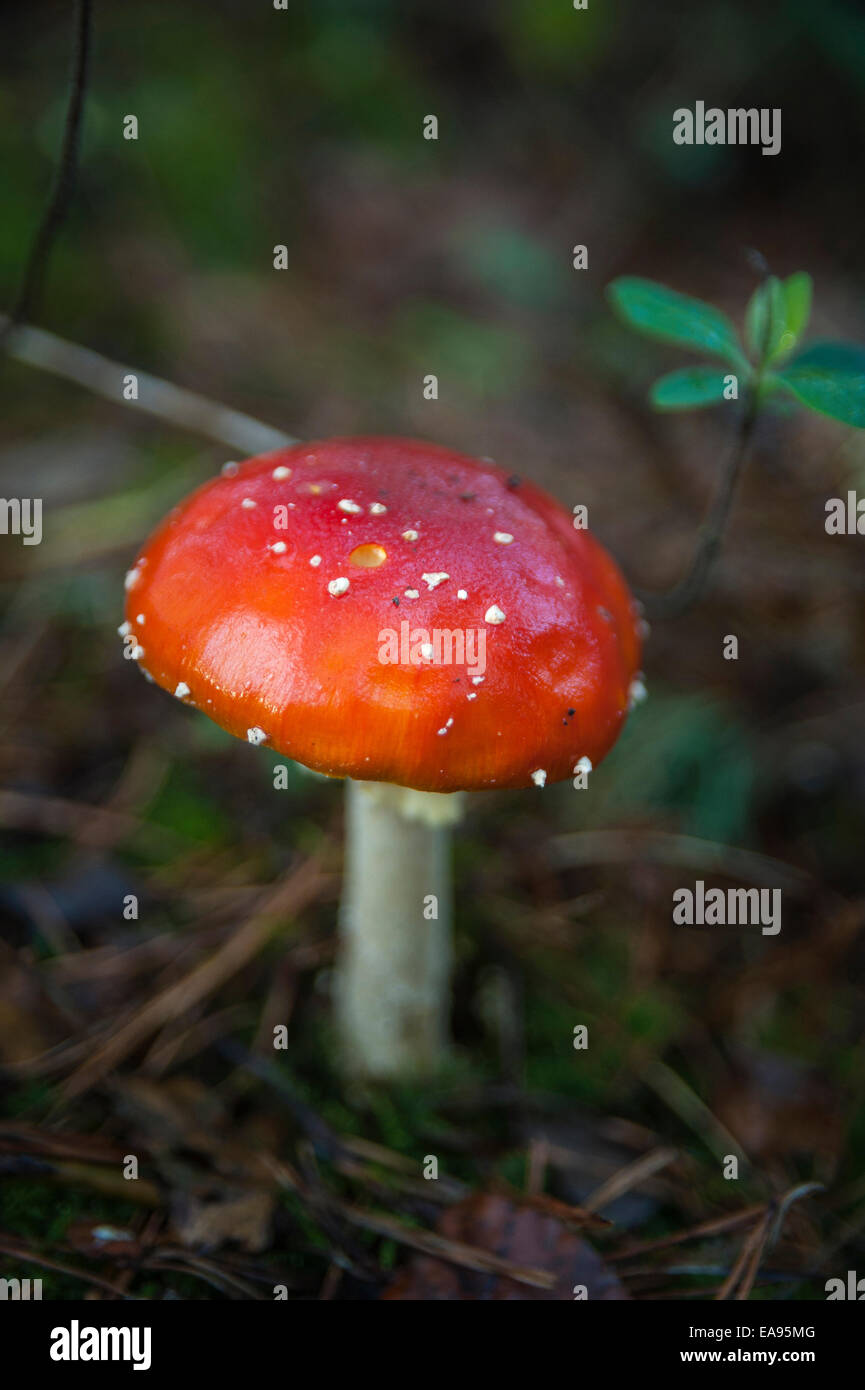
pixel 395 923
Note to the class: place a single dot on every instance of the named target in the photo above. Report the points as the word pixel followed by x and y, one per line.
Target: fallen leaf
pixel 240 1217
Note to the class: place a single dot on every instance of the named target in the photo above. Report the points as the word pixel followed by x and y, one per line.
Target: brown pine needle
pixel 718 1225
pixel 427 1242
pixel 288 898
pixel 631 1176
pixel 22 1252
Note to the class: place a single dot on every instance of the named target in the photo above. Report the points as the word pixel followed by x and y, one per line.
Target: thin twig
pixel 37 348
pixel 176 406
pixel 64 181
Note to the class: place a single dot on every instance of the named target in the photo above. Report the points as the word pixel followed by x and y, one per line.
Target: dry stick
pixel 173 404
pixel 289 897
pixel 37 348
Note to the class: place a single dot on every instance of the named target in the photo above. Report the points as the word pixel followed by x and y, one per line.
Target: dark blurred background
pixel 408 257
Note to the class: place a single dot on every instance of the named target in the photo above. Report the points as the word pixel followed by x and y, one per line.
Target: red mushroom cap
pixel 392 611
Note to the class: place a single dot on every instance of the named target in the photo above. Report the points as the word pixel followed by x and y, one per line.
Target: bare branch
pixel 64 181
pixel 176 406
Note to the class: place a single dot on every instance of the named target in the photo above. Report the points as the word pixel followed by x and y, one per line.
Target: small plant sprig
pixel 825 376
pixel 828 377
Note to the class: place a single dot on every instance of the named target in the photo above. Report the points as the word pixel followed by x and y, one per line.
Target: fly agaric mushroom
pixel 412 620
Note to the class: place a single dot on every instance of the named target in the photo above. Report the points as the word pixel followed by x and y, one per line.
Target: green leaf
pixel 674 318
pixel 688 389
pixel 797 300
pixel 755 321
pixel 766 319
pixel 778 345
pixel 829 378
pixel 777 315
